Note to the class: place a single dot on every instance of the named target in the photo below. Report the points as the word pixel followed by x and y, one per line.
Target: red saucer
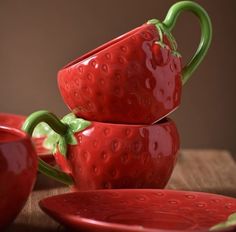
pixel 16 121
pixel 143 210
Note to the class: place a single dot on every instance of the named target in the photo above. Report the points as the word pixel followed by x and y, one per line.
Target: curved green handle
pixel 30 123
pixel 206 33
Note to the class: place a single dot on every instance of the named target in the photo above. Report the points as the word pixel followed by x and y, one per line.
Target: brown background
pixel 39 37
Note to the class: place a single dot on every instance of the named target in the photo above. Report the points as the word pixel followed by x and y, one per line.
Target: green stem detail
pixel 54 173
pixel 29 125
pixel 44 116
pixel 57 142
pixel 206 33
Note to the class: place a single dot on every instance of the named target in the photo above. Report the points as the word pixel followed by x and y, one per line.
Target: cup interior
pixel 102 47
pixel 8 134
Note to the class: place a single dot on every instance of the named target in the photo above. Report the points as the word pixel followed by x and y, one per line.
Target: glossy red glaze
pixel 12 120
pixel 130 79
pixel 16 121
pixel 122 156
pixel 139 210
pixel 18 168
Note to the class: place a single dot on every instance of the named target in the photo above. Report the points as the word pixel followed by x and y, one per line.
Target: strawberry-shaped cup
pixel 136 78
pixel 18 170
pixel 96 155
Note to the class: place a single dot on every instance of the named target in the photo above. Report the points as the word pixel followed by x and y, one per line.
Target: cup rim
pixel 102 47
pixel 20 135
pixel 161 122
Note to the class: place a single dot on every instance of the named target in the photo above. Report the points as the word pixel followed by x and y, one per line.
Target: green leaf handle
pixel 206 33
pixel 30 123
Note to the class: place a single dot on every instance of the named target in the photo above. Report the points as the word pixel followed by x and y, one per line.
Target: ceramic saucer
pixel 143 210
pixel 16 121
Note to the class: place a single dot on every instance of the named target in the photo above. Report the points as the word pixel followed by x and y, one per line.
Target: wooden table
pixel 196 170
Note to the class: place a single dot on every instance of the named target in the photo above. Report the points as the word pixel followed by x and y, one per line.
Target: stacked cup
pixel 123 90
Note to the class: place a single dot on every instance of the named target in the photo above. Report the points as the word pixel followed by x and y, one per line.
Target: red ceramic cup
pixel 128 80
pixel 102 155
pixel 18 168
pixel 135 78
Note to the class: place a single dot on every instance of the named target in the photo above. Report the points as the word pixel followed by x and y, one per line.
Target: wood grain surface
pixel 196 170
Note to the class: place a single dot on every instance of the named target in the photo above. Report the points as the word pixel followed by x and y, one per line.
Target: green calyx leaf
pixel 41 130
pixel 70 138
pixel 153 21
pixel 62 145
pixel 231 221
pixel 50 142
pixel 78 124
pixel 162 30
pixel 55 141
pixel 67 118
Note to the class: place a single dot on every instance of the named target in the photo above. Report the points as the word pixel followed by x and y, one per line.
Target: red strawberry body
pixel 131 79
pixel 122 156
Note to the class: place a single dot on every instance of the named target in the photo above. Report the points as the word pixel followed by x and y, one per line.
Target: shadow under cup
pixel 18 168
